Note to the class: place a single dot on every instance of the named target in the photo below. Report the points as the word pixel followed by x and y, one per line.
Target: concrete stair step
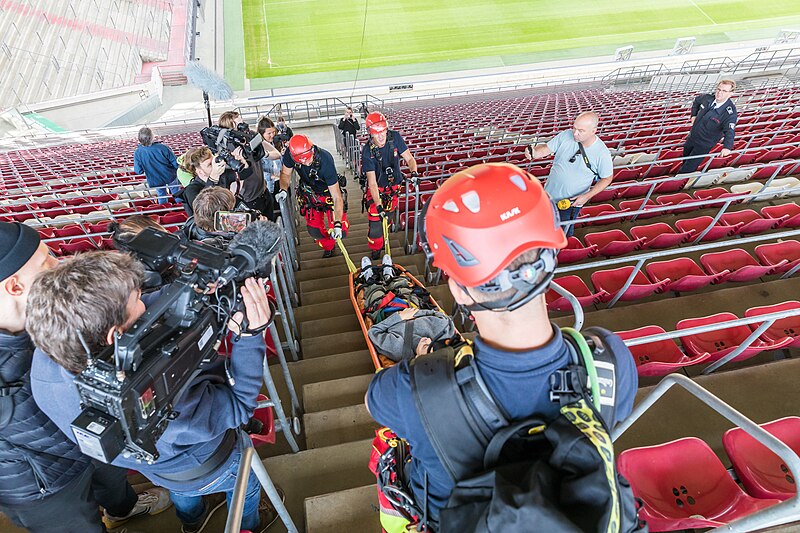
pixel 346 341
pixel 327 470
pixel 335 393
pixel 314 260
pixel 336 281
pixel 347 510
pixel 326 295
pixel 310 312
pixel 355 232
pixel 353 247
pixel 331 325
pixel 335 426
pixel 330 367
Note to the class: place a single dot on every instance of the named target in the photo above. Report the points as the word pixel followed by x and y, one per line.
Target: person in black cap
pixel 46 483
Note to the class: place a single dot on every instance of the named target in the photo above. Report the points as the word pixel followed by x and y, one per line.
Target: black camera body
pixel 224 141
pixel 128 392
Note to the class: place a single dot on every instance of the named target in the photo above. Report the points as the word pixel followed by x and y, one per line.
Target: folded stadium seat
pixel 676 199
pixel 682 274
pixel 657 358
pixel 666 187
pixel 596 210
pixel 684 485
pixel 721 342
pixel 575 285
pixel 762 473
pixel 627 174
pixel 788 212
pixel 748 222
pixel 98 227
pixel 710 194
pixel 741 266
pixel 635 189
pixel 605 195
pixel 70 230
pixel 785 327
pixel 660 235
pixel 175 218
pixel 55 247
pixel 611 281
pixel 613 242
pixel 701 180
pixel 635 205
pixel 735 175
pixel 75 246
pixel 575 251
pixel 783 255
pixel 657 170
pixel 771 155
pixel 764 172
pixel 699 224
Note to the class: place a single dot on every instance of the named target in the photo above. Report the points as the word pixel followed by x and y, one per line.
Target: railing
pixel 323 108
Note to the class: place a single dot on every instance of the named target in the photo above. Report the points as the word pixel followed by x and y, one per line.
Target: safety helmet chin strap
pixel 525 281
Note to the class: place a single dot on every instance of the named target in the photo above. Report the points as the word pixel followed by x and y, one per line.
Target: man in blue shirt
pixel 321 199
pixel 493 230
pixel 158 164
pixel 582 166
pixel 96 296
pixel 380 161
pixel 714 117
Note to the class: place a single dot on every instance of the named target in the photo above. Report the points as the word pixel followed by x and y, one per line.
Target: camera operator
pixel 200 227
pixel 46 483
pixel 349 126
pixel 205 170
pixel 247 183
pixel 284 131
pixel 271 164
pixel 88 301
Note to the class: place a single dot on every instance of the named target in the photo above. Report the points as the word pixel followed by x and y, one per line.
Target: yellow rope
pixel 386 237
pixel 350 266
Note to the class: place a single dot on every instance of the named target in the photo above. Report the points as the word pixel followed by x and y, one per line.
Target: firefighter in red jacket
pixel 380 161
pixel 319 195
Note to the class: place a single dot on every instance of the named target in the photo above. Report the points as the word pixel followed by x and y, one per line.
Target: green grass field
pixel 289 37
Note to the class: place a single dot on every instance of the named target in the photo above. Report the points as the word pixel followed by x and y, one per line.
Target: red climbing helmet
pixel 483 218
pixel 376 123
pixel 302 149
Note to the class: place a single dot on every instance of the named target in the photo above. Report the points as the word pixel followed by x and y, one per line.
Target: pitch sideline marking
pixel 703 12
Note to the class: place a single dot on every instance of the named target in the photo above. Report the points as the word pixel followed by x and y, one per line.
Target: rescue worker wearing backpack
pixel 320 194
pixel 380 161
pixel 495 232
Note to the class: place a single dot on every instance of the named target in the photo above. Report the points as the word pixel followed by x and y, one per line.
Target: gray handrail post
pixel 764 326
pixel 713 223
pixel 782 513
pixel 281 420
pixel 627 283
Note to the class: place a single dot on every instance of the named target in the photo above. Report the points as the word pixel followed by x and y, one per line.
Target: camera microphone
pixel 253 249
pixel 207 81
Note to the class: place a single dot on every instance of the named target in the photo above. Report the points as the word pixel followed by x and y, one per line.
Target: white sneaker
pixel 152 501
pixel 388 270
pixel 366 268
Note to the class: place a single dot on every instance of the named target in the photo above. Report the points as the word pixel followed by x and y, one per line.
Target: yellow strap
pixel 350 266
pixel 386 237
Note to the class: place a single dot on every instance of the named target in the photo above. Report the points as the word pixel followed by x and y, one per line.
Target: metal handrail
pixel 782 513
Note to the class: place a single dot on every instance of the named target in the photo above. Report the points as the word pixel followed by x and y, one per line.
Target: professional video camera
pixel 224 141
pixel 129 391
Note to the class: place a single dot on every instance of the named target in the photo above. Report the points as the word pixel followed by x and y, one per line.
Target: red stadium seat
pixel 70 230
pixel 612 281
pixel 597 210
pixel 613 242
pixel 749 222
pixel 676 199
pixel 720 343
pixel 781 212
pixel 265 416
pixel 683 274
pixel 578 288
pixel 783 255
pixel 575 251
pixel 710 194
pixel 684 485
pixel 173 218
pixel 699 224
pixel 635 205
pixel 780 329
pixel 660 235
pixel 657 358
pixel 740 265
pixel 77 245
pixel 762 473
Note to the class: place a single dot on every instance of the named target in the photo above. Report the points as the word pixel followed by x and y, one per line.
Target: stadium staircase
pixel 327 484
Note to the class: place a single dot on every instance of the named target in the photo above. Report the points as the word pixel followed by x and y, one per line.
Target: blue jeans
pixel 570 213
pixel 173 187
pixel 189 504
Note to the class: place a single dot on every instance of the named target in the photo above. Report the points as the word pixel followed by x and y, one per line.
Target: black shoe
pixel 211 503
pixel 327 253
pixel 376 254
pixel 267 515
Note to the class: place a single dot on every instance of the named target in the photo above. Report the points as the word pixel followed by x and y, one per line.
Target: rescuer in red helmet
pixel 319 194
pixel 380 161
pixel 496 234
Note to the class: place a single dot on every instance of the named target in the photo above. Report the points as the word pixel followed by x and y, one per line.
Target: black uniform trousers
pixel 75 508
pixel 697 149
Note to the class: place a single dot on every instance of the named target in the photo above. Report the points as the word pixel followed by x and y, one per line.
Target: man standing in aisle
pixel 380 161
pixel 714 117
pixel 582 166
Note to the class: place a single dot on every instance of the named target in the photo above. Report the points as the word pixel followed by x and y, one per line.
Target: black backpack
pixel 533 474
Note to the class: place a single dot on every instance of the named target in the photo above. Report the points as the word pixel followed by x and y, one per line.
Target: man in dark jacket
pixel 713 118
pixel 46 483
pixel 349 126
pixel 158 164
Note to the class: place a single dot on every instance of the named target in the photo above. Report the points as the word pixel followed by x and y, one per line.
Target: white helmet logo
pixel 508 214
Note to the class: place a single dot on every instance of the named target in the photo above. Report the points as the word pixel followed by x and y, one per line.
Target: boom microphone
pixel 208 81
pixel 253 249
